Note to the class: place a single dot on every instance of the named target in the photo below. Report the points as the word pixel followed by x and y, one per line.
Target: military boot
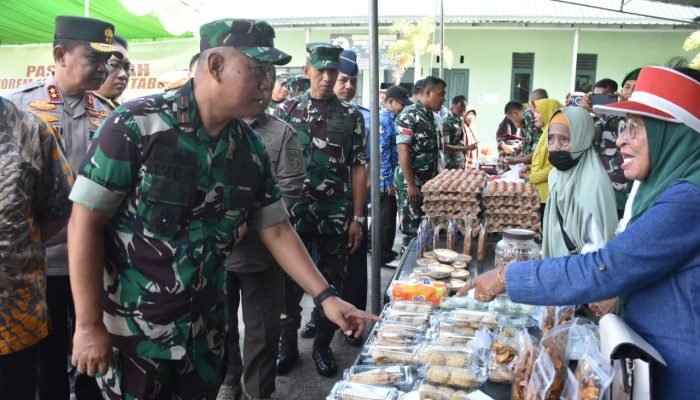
pixel 309 330
pixel 322 354
pixel 288 352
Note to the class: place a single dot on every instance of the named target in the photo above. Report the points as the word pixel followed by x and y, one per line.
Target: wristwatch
pixel 326 293
pixel 359 219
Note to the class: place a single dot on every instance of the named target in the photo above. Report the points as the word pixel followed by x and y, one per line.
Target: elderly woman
pixel 580 195
pixel 655 262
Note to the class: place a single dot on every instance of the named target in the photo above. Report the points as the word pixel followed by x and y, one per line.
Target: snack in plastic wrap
pixel 555 316
pixel 473 319
pixel 399 376
pixel 463 378
pixel 448 356
pixel 464 302
pixel 441 271
pixel 412 306
pixel 460 274
pixel 523 364
pixel 345 390
pixel 387 354
pixel 446 256
pixel 459 265
pixel 453 339
pixel 456 284
pixel 593 373
pixel 432 292
pixel 542 381
pixel 407 317
pixel 554 345
pixel 403 329
pixel 504 348
pixel 451 235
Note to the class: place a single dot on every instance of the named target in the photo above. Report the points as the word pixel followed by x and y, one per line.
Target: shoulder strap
pixel 569 244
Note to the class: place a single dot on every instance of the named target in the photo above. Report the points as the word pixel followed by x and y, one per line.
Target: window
pixel 521 81
pixel 585 72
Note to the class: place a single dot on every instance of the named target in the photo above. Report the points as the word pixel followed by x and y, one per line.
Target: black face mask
pixel 562 160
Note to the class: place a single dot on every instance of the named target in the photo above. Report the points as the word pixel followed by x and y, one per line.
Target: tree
pixel 413 43
pixel 692 43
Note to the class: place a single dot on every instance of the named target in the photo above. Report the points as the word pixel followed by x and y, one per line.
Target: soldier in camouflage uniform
pixel 280 92
pixel 82 47
pixel 329 215
pixel 418 146
pixel 165 185
pixel 453 144
pixel 298 85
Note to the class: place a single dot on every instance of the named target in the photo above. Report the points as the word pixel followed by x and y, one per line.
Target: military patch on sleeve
pixel 42 105
pixel 294 160
pixel 53 92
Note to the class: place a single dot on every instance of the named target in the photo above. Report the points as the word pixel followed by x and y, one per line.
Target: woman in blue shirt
pixel 655 263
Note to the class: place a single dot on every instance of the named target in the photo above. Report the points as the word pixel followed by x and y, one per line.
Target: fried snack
pixel 463 378
pixel 438 374
pixel 503 353
pixel 392 355
pixel 449 339
pixel 522 370
pixel 554 343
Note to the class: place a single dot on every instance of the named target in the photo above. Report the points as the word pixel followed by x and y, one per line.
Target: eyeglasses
pixel 627 128
pixel 115 65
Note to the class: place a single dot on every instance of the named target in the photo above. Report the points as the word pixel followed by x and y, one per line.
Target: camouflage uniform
pixel 416 127
pixel 611 159
pixel 532 133
pixel 282 78
pixel 175 197
pixel 298 85
pixel 333 138
pixel 255 276
pixel 453 134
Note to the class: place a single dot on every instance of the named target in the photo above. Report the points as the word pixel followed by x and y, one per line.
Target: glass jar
pixel 516 245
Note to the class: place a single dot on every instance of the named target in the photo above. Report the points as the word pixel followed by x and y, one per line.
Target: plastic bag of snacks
pixel 432 391
pixel 542 379
pixel 432 292
pixel 451 234
pixel 581 333
pixel 504 348
pixel 552 316
pixel 593 373
pixel 345 390
pixel 571 388
pixel 524 363
pixel 399 376
pixel 554 344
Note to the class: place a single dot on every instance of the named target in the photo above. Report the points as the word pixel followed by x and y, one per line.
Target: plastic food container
pixel 399 376
pixel 380 354
pixel 473 319
pixel 345 390
pixel 412 306
pixel 441 271
pixel 463 378
pixel 516 245
pixel 446 255
pixel 448 356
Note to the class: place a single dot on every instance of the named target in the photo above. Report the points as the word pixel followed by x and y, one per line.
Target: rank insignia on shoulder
pixel 54 93
pixel 48 117
pixel 89 101
pixel 95 122
pixel 42 105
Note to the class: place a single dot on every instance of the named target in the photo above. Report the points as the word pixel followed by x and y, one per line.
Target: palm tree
pixel 413 42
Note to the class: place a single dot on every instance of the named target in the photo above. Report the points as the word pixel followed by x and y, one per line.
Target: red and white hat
pixel 661 93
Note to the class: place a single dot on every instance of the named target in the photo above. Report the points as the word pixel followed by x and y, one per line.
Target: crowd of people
pixel 136 230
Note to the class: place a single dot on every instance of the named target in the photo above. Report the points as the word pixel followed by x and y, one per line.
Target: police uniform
pixel 76 118
pixel 416 127
pixel 176 197
pixel 255 276
pixel 333 139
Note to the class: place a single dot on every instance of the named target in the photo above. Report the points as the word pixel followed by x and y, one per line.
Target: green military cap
pixel 252 38
pixel 323 55
pixel 283 77
pixel 93 33
pixel 299 83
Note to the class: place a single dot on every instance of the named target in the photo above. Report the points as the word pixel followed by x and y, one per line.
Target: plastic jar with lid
pixel 516 245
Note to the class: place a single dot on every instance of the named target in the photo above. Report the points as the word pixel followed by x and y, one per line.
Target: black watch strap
pixel 327 292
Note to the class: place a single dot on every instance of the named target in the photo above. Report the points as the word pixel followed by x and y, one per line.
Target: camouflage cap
pixel 252 38
pixel 323 55
pixel 299 84
pixel 95 34
pixel 283 77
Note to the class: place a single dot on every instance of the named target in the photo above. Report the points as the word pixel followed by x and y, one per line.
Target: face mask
pixel 562 160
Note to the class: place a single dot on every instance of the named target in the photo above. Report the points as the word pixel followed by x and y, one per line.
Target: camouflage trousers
pixel 195 377
pixel 410 215
pixel 331 253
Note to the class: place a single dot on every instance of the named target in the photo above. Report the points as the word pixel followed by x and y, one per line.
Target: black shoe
pixel 353 341
pixel 325 362
pixel 309 330
pixel 288 355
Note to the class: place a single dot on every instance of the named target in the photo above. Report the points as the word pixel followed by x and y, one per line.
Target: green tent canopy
pixel 32 21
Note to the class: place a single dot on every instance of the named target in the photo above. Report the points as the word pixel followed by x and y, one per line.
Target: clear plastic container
pixel 399 376
pixel 380 354
pixel 516 245
pixel 448 356
pixel 412 306
pixel 345 390
pixel 463 378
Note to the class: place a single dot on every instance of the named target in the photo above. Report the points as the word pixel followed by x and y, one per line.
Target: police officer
pixel 280 92
pixel 164 188
pixel 329 216
pixel 117 81
pixel 255 277
pixel 81 49
pixel 417 140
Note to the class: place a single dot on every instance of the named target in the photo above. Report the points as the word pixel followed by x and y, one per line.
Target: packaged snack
pixel 386 354
pixel 450 326
pixel 473 319
pixel 436 392
pixel 446 256
pixel 593 373
pixel 554 344
pixel 452 339
pixel 504 348
pixel 542 380
pixel 451 234
pixel 571 388
pixel 345 390
pixel 583 332
pixel 523 364
pixel 399 376
pixel 397 339
pixel 448 356
pixel 441 271
pixel 464 302
pixel 460 274
pixel 432 292
pixel 463 378
pixel 554 316
pixel 412 306
pixel 404 329
pixel 406 317
pixel 436 237
pixel 459 264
